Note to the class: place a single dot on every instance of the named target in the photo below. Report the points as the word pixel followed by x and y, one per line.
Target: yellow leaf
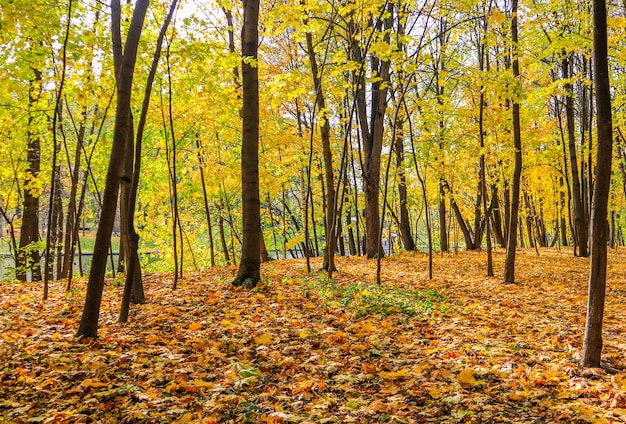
pixel 187 418
pixel 195 326
pixel 467 376
pixel 263 339
pixel 394 375
pixel 620 380
pixel 434 393
pixel 172 387
pixel 92 384
pixel 280 297
pixel 201 383
pixel 303 334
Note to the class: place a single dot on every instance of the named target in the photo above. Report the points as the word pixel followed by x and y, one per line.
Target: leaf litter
pixel 461 348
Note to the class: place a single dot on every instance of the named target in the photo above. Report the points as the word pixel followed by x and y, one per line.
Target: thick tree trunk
pixel 249 272
pixel 29 257
pixel 592 346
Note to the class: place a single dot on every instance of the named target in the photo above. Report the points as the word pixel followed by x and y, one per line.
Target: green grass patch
pixel 366 299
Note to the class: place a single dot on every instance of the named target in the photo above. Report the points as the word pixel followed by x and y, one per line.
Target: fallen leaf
pixel 263 339
pixel 467 377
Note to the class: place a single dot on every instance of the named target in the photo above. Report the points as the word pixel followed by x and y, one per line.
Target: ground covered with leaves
pixel 305 349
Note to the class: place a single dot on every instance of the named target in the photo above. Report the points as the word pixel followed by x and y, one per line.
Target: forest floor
pixel 305 349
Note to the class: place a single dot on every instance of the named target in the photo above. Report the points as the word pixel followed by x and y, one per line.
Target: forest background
pixel 440 152
pixel 368 129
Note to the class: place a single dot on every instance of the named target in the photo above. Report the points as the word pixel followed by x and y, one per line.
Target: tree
pixel 372 128
pixel 133 287
pixel 115 173
pixel 579 218
pixel 249 272
pixel 511 242
pixel 331 202
pixel 28 255
pixel 592 346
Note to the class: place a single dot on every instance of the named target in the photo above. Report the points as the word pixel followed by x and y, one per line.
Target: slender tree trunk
pixel 511 243
pixel 54 252
pixel 580 223
pixel 72 220
pixel 133 287
pixel 592 346
pixel 564 177
pixel 424 197
pixel 220 223
pixel 467 236
pixel 483 173
pixel 444 244
pixel 331 198
pixel 205 197
pixel 372 133
pixel 249 272
pixel 405 224
pixel 494 207
pixel 89 320
pixel 355 191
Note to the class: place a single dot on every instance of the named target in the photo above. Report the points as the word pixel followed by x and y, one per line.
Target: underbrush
pixel 366 299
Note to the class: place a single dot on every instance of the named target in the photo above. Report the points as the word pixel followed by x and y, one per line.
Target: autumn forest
pixel 312 211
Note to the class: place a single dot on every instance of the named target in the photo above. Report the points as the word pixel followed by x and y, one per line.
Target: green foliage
pixel 366 299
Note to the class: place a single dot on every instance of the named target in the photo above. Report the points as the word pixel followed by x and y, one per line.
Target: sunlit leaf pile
pixel 305 349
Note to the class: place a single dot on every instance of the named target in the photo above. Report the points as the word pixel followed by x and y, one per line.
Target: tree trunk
pixel 28 256
pixel 580 223
pixel 467 235
pixel 444 244
pixel 205 197
pixel 89 320
pixel 133 287
pixel 372 131
pixel 494 207
pixel 405 223
pixel 483 173
pixel 511 243
pixel 331 202
pixel 592 346
pixel 72 220
pixel 220 222
pixel 249 272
